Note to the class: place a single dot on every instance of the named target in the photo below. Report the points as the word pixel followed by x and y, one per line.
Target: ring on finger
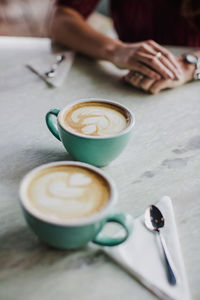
pixel 158 54
pixel 139 75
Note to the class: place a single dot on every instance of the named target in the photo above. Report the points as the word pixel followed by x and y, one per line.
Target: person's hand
pixel 148 58
pixel 155 86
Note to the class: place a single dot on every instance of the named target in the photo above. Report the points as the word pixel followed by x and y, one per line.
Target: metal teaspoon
pixel 154 220
pixel 52 72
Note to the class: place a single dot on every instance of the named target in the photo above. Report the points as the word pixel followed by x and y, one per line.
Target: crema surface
pixel 68 192
pixel 95 119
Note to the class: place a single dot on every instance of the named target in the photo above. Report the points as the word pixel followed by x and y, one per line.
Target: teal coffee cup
pixel 98 133
pixel 67 205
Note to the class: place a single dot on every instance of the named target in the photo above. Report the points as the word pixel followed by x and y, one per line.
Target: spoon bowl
pixel 154 218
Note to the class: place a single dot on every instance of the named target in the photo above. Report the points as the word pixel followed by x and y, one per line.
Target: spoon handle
pixel 169 263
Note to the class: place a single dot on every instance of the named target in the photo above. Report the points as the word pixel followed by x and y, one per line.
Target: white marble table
pixel 162 158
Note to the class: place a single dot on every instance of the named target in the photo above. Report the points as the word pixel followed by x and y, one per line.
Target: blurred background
pixel 30 17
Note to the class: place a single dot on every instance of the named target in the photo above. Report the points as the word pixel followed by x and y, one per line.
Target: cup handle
pixel 126 221
pixel 51 124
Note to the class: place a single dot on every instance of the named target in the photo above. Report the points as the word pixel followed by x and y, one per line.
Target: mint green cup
pixel 95 150
pixel 65 234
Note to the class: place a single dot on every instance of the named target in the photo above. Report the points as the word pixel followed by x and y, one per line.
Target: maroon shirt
pixel 139 20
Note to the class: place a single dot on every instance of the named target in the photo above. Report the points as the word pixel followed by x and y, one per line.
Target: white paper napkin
pixel 141 255
pixel 41 65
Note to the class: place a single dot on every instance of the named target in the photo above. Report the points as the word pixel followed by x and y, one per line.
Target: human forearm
pixel 69 28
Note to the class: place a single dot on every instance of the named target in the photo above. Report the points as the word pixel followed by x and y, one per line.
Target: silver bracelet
pixel 195 60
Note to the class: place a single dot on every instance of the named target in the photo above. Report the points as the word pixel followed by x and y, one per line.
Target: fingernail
pixel 157 77
pixel 152 92
pixel 171 76
pixel 180 72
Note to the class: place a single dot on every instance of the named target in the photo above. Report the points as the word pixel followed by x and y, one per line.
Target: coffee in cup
pixel 92 131
pixel 67 205
pixel 95 119
pixel 67 192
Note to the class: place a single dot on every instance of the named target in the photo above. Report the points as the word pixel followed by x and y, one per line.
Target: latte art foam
pixel 68 192
pixel 95 119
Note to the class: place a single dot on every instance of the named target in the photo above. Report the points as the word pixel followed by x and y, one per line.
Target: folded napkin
pixel 141 255
pixel 43 64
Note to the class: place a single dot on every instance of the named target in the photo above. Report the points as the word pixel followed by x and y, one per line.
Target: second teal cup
pixel 95 150
pixel 67 233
